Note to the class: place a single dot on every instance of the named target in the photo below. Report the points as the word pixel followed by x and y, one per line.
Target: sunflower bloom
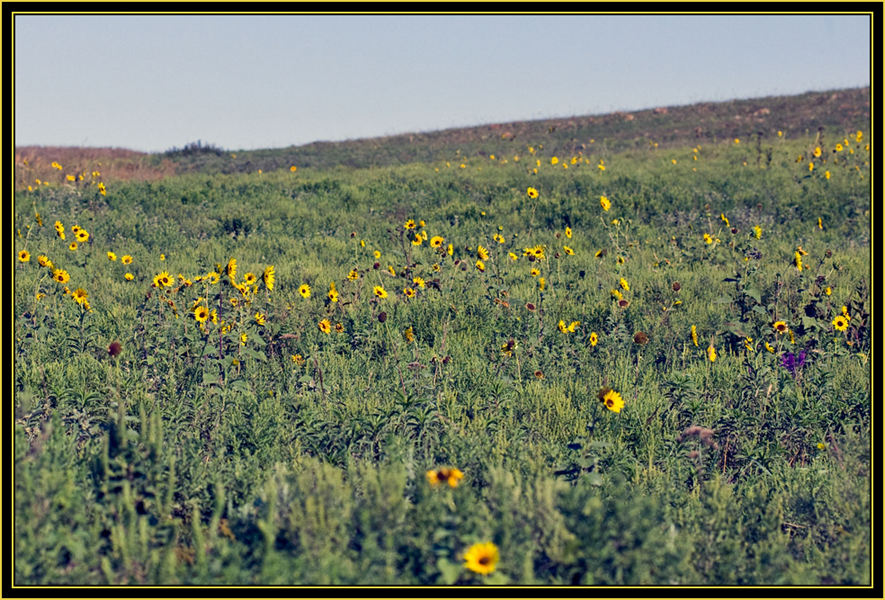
pixel 711 353
pixel 24 256
pixel 232 269
pixel 112 256
pixel 449 475
pixel 532 192
pixel 82 236
pixel 840 323
pixel 436 241
pixel 201 314
pixel 481 266
pixel 482 558
pixel 269 277
pixel 605 203
pixel 379 291
pixel 482 253
pixel 44 261
pixel 594 339
pixel 304 290
pixel 163 280
pixel 325 326
pixel 61 276
pixel 126 260
pixel 568 232
pixel 694 335
pixel 611 399
pixel 780 327
pixel 625 285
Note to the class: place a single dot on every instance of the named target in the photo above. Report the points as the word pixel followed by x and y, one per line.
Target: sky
pixel 242 82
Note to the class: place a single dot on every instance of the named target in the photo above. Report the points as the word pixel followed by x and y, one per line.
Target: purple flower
pixel 792 361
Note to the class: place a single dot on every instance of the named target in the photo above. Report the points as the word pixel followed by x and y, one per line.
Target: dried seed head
pixel 115 349
pixel 382 317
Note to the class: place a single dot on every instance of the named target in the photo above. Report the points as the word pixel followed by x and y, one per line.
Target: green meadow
pixel 628 352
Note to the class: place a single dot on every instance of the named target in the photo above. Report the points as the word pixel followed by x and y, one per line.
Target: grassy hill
pixel 757 121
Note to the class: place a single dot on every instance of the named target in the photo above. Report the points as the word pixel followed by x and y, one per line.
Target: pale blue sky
pixel 245 82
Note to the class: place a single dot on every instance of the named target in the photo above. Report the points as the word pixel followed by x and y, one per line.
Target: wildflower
pixel 325 326
pixel 791 361
pixel 542 283
pixel 163 280
pixel 201 314
pixel 260 318
pixel 249 279
pixel 163 257
pixel 758 231
pixel 44 261
pixel 604 203
pixel 339 328
pixel 410 224
pixel 436 241
pixel 409 292
pixel 304 290
pixel 481 266
pixel 600 253
pixel 512 256
pixel 293 168
pixel 828 291
pixel 443 475
pixel 817 152
pixel 482 558
pixel 594 339
pixel 840 323
pixel 61 276
pixel 482 253
pixel 450 250
pixel 231 269
pixel 707 238
pixel 554 161
pixel 711 353
pixel 82 236
pixel 419 282
pixel 498 238
pixel 798 261
pixel 112 256
pixel 379 291
pixel 617 294
pixel 611 399
pixel 269 277
pixel 562 326
pixel 769 347
pixel 409 335
pixel 418 240
pixel 24 256
pixel 625 285
pixel 532 192
pixel 72 247
pixel 79 295
pixel 213 277
pixel 535 272
pixel 573 325
pixel 333 295
pixel 391 270
pixel 780 327
pixel 694 335
pixel 568 251
pixel 298 359
pixel 244 337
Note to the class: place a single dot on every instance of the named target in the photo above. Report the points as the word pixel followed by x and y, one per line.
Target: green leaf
pixel 449 571
pixel 723 299
pixel 754 294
